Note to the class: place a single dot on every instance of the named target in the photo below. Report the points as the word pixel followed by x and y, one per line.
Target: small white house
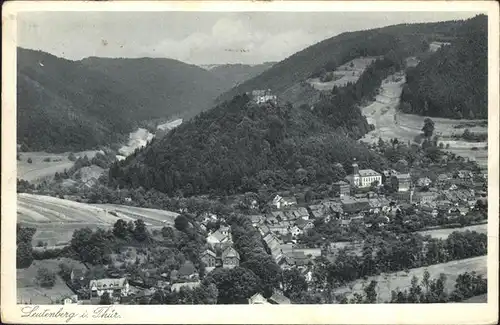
pixel 281 202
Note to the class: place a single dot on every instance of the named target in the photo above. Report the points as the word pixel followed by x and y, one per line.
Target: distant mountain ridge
pixel 232 75
pixel 75 105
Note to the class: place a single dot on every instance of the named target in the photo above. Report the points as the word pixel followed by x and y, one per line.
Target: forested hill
pixel 239 146
pixel 453 81
pixel 75 105
pixel 164 85
pixel 403 40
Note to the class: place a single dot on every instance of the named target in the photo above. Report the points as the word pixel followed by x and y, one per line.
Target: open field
pixel 28 291
pixel 39 169
pixel 344 74
pixel 56 219
pixel 434 46
pixel 401 280
pixel 444 233
pixel 390 123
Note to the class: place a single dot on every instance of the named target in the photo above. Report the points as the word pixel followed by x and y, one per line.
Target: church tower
pixel 355 173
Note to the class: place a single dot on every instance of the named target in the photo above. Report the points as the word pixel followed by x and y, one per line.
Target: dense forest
pixel 74 105
pixel 453 81
pixel 403 39
pixel 239 146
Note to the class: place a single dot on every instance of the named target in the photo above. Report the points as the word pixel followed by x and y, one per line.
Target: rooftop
pixel 368 172
pixel 191 285
pixel 107 283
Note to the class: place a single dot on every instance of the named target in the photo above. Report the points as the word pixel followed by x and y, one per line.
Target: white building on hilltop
pixel 263 96
pixel 363 177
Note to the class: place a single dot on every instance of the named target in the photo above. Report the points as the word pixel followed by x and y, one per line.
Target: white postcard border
pixel 241 314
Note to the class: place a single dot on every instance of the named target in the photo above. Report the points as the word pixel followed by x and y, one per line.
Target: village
pixel 290 230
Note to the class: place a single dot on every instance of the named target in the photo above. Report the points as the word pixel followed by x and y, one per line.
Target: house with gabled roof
pixel 217 237
pixel 116 288
pixel 208 257
pixel 258 299
pixel 176 287
pixel 263 229
pixel 230 258
pixel 256 219
pixel 272 242
pixel 187 272
pixel 282 202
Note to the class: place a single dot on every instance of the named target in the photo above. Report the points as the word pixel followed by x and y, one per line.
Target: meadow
pixel 40 168
pixel 444 233
pixel 348 72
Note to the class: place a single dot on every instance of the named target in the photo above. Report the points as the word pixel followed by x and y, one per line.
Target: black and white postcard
pixel 250 162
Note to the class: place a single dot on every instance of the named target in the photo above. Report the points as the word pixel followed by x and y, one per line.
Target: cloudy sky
pixel 198 37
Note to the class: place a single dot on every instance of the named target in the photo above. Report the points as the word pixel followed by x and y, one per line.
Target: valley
pixel 276 183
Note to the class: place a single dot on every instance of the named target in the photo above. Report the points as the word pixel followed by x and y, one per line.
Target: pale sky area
pixel 199 37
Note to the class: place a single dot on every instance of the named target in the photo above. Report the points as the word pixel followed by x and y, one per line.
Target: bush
pixel 29 160
pixel 72 157
pixel 46 159
pixel 45 278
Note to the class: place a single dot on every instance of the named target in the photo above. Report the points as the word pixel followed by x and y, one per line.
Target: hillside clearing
pixel 444 233
pixel 390 123
pixel 38 169
pixel 401 280
pixel 348 72
pixel 56 219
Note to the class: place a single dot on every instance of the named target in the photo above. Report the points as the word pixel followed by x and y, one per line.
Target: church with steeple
pixel 363 177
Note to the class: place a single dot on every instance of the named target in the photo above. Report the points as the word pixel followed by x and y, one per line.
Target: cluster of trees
pixel 391 253
pixel 240 147
pixel 45 277
pixel 331 232
pixel 24 186
pixel 430 290
pixel 453 81
pixel 254 256
pixel 471 136
pixel 24 249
